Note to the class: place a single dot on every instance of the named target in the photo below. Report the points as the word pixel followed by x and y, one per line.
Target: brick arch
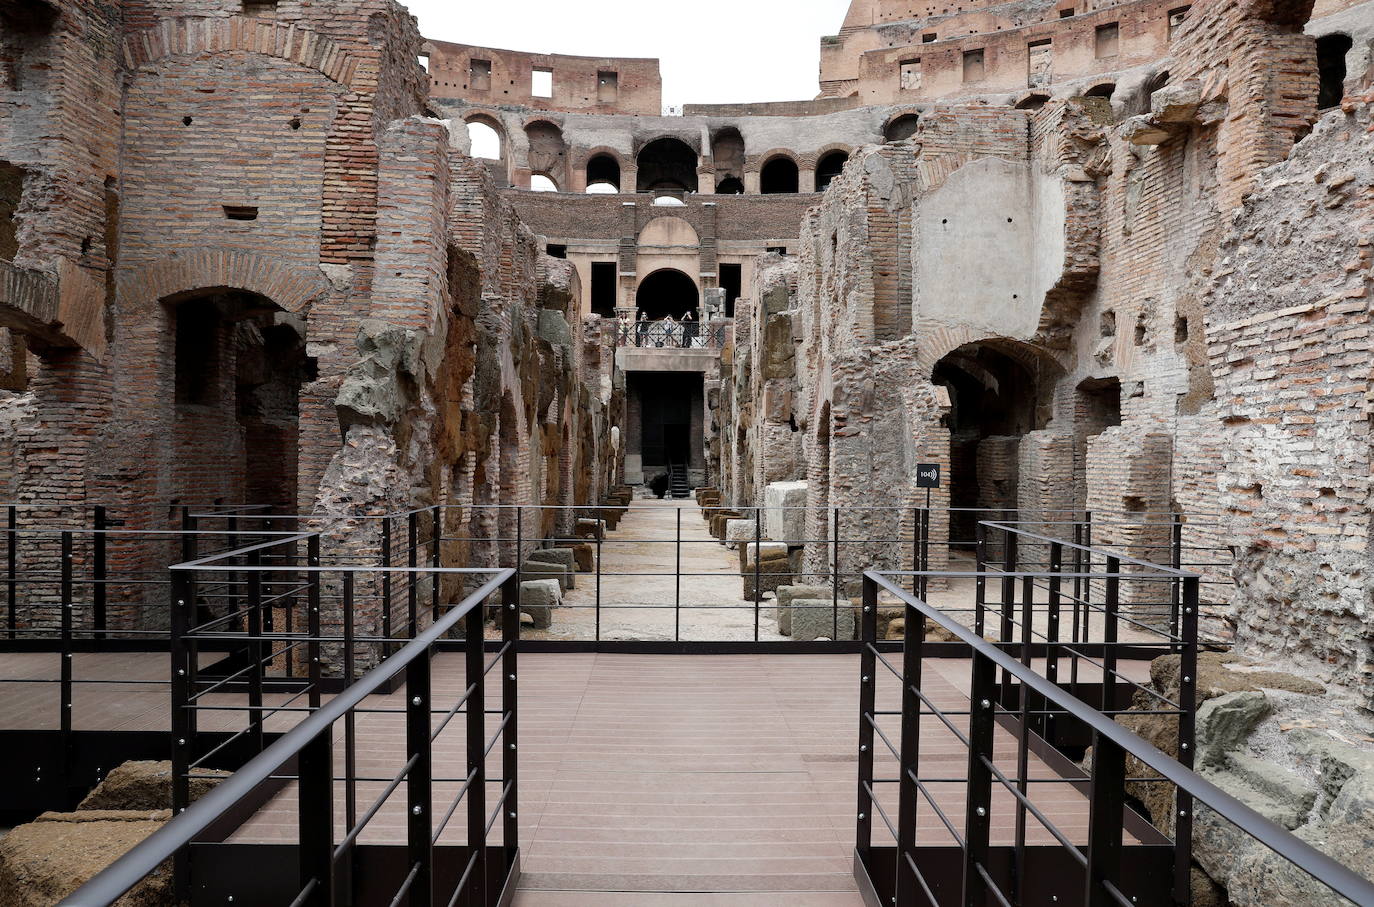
pixel 288 285
pixel 939 343
pixel 757 162
pixel 583 157
pixel 197 35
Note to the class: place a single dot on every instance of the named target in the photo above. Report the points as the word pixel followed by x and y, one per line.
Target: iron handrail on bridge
pixel 672 334
pixel 907 878
pixel 310 744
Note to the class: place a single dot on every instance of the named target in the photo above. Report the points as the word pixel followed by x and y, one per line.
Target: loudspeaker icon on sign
pixel 928 475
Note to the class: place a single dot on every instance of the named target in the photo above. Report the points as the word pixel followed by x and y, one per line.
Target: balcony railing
pixel 674 335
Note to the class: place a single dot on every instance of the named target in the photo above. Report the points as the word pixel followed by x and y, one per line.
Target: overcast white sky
pixel 713 51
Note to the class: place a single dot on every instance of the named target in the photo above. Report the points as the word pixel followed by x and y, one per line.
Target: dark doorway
pixel 732 282
pixel 668 292
pixel 1331 51
pixel 831 166
pixel 667 422
pixel 603 288
pixel 902 128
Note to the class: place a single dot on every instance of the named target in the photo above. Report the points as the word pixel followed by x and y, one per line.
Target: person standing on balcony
pixel 626 325
pixel 671 332
pixel 689 330
pixel 643 328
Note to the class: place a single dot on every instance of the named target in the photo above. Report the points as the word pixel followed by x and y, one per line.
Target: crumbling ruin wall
pixel 1289 336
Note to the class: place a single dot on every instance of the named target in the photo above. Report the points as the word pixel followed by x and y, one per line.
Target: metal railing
pixel 675 335
pixel 980 849
pixel 241 590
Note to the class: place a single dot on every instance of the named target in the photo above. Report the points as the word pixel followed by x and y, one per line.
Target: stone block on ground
pixel 788 594
pixel 545 570
pixel 46 860
pixel 784 512
pixel 771 551
pixel 538 598
pixel 584 555
pixel 145 785
pixel 771 574
pixel 737 531
pixel 816 618
pixel 560 556
pixel 589 529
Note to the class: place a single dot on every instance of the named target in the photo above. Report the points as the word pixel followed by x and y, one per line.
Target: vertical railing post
pixel 1106 802
pixel 68 605
pixel 100 566
pixel 1110 633
pixel 315 818
pixel 835 574
pixel 980 581
pixel 183 611
pixel 1079 586
pixel 925 551
pixel 475 661
pixel 12 572
pixel 598 534
pixel 420 781
pixel 256 655
pixel 1187 719
pixel 915 550
pixel 510 756
pixel 1176 561
pixel 413 562
pixel 868 682
pixel 909 753
pixel 386 589
pixel 758 568
pixel 436 559
pixel 350 735
pixel 677 582
pixel 313 619
pixel 978 816
pixel 1023 732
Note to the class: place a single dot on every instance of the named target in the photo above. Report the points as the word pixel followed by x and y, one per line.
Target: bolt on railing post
pixel 1187 741
pixel 315 818
pixel 1106 803
pixel 313 622
pixel 413 562
pixel 476 753
pixel 909 751
pixel 68 605
pixel 980 582
pixel 420 781
pixel 100 558
pixel 983 700
pixel 868 681
pixel 510 761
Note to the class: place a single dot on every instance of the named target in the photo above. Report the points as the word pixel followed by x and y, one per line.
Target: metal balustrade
pixel 997 835
pixel 237 598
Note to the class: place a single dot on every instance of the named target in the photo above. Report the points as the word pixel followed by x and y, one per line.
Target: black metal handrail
pixel 678 335
pixel 1102 862
pixel 310 743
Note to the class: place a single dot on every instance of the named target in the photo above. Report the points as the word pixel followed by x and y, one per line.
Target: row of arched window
pixel 665 164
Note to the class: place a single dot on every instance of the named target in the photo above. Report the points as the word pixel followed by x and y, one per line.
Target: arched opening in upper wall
pixel 542 182
pixel 1104 90
pixel 780 176
pixel 830 167
pixel 1331 70
pixel 727 150
pixel 667 163
pixel 902 128
pixel 603 175
pixel 488 142
pixel 999 391
pixel 548 152
pixel 1033 101
pixel 668 292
